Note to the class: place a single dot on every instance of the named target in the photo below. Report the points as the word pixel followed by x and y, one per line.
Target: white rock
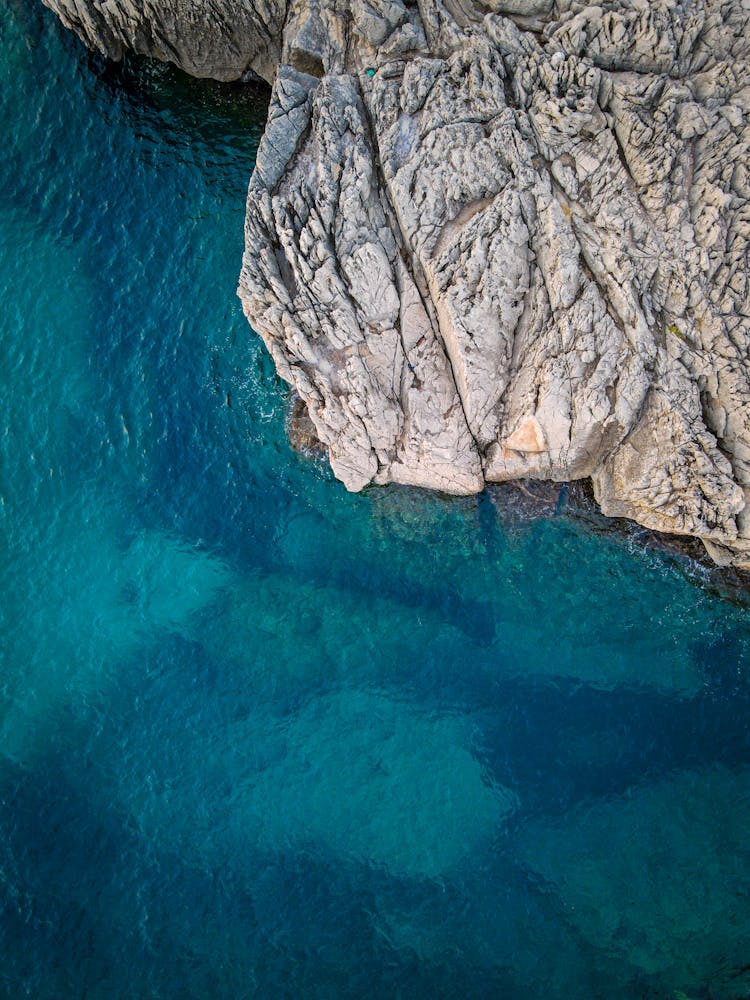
pixel 467 230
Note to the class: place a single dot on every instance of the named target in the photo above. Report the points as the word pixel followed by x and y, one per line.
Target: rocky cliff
pixel 493 239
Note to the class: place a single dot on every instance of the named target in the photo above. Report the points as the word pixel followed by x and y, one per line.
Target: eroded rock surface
pixel 218 39
pixel 500 239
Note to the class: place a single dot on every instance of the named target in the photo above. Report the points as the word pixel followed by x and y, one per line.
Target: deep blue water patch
pixel 262 738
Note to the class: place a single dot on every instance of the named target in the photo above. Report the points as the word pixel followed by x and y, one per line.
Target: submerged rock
pixel 658 878
pixel 353 776
pixel 498 241
pixel 301 430
pixel 381 784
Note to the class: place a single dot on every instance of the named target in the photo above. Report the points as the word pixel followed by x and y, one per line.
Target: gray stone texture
pixel 500 239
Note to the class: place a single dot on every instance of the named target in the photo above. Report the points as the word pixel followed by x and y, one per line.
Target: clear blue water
pixel 261 738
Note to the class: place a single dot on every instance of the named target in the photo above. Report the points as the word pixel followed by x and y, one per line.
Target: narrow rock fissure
pixel 412 265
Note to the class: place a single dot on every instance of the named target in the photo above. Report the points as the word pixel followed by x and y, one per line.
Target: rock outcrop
pixel 493 239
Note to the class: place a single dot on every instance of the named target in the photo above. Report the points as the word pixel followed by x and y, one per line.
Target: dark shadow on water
pixel 565 743
pixel 203 110
pixel 522 504
pixel 94 903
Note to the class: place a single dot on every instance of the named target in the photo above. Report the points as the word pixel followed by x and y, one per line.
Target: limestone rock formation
pixel 491 239
pixel 218 39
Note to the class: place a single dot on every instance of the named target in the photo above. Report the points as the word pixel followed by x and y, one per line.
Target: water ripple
pixel 264 738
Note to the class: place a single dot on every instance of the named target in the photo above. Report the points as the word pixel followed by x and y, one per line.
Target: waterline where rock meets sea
pixel 261 737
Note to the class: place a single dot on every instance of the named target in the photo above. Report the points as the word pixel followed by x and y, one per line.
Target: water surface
pixel 262 738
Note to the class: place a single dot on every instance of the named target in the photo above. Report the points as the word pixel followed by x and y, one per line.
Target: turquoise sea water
pixel 263 739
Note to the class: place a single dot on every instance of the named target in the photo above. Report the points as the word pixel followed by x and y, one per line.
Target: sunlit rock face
pixel 492 241
pixel 221 40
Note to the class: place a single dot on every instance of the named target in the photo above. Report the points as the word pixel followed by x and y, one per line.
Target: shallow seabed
pixel 264 739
